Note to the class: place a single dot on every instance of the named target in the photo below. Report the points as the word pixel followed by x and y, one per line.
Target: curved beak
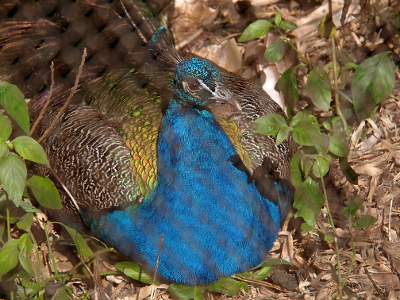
pixel 224 95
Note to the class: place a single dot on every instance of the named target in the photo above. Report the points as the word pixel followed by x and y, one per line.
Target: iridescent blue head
pixel 198 81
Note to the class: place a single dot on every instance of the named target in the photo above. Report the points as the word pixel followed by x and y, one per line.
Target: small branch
pixel 390 216
pixel 50 249
pixel 354 252
pixel 8 223
pixel 335 82
pixel 343 95
pixel 332 223
pixel 295 49
pixel 93 277
pixel 46 104
pixel 64 107
pixel 374 284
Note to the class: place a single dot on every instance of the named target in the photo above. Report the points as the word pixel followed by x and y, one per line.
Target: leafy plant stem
pixel 353 248
pixel 8 223
pixel 335 83
pixel 343 95
pixel 338 260
pixel 50 249
pixel 294 48
pixel 36 247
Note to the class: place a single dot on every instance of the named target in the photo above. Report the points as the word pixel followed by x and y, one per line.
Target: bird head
pixel 198 81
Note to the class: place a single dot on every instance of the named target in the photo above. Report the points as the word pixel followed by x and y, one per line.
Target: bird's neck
pixel 192 144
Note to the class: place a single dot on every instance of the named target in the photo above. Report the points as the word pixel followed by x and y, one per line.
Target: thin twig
pixel 46 104
pixel 134 25
pixel 390 216
pixel 354 252
pixel 156 267
pixel 332 223
pixel 374 284
pixel 50 249
pixel 73 90
pixel 302 57
pixel 93 277
pixel 118 290
pixel 335 82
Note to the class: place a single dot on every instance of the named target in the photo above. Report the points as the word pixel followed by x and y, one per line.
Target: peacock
pixel 160 159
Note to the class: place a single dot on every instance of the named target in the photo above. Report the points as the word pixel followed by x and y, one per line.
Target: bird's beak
pixel 224 95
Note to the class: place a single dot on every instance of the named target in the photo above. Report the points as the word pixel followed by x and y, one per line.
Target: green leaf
pixel 283 134
pixel 348 171
pixel 296 176
pixel 352 206
pixel 13 102
pixel 270 124
pixel 275 51
pixel 263 273
pixel 272 262
pixel 397 21
pixel 373 81
pixel 287 84
pixel 304 115
pixel 83 249
pixel 327 125
pixel 338 146
pixel 350 66
pixel 8 256
pixel 25 247
pixel 307 134
pixel 287 25
pixel 25 222
pixel 5 128
pixel 28 148
pixel 308 201
pixel 307 162
pixel 278 18
pixel 133 271
pixel 305 227
pixel 3 148
pixel 318 88
pixel 182 292
pixel 326 28
pixel 13 176
pixel 28 207
pixel 325 236
pixel 62 294
pixel 228 286
pixel 199 292
pixel 365 221
pixel 321 166
pixel 255 30
pixel 45 192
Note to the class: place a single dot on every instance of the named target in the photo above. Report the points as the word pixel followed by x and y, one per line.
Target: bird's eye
pixel 193 86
